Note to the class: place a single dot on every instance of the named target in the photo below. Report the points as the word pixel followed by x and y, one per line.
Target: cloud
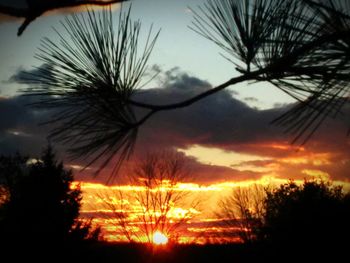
pixel 22 129
pixel 24 76
pixel 223 122
pixel 219 121
pixel 19 126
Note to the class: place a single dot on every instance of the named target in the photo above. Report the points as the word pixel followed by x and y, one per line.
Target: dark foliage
pixel 309 220
pixel 39 204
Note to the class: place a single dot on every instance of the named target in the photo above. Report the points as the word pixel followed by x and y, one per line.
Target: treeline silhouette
pixel 39 212
pixel 310 221
pixel 292 222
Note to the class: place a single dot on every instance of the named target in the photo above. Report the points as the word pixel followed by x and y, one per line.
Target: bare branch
pixel 158 175
pixel 244 208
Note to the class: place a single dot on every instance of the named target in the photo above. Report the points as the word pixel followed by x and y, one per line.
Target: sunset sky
pixel 227 138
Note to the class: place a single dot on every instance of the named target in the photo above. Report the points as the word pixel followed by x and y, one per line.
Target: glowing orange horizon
pixel 300 161
pixel 92 204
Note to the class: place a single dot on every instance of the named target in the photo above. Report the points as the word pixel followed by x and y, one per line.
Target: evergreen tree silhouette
pixel 41 205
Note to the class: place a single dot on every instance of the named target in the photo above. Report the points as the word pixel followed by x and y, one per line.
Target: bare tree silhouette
pixel 36 8
pixel 244 208
pixel 299 46
pixel 150 208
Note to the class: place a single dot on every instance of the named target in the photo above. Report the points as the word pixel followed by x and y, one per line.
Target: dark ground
pixel 101 252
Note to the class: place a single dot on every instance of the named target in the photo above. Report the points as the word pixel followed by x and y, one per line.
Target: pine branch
pixel 38 8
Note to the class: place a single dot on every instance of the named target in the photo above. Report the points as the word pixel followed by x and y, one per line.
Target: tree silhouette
pixel 36 8
pixel 311 219
pixel 151 207
pixel 244 207
pixel 94 71
pixel 40 205
pixel 291 222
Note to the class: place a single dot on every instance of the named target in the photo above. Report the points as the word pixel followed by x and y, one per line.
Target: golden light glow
pixel 159 238
pixel 317 174
pixel 82 8
pixel 247 170
pixel 216 156
pixel 93 207
pixel 315 159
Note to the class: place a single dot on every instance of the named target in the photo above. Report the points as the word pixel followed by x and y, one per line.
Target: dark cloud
pixel 21 130
pixel 22 74
pixel 19 126
pixel 33 76
pixel 13 113
pixel 219 121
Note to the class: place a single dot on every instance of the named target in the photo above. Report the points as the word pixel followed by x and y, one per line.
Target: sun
pixel 159 238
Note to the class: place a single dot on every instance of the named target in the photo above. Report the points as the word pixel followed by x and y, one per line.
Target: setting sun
pixel 159 238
